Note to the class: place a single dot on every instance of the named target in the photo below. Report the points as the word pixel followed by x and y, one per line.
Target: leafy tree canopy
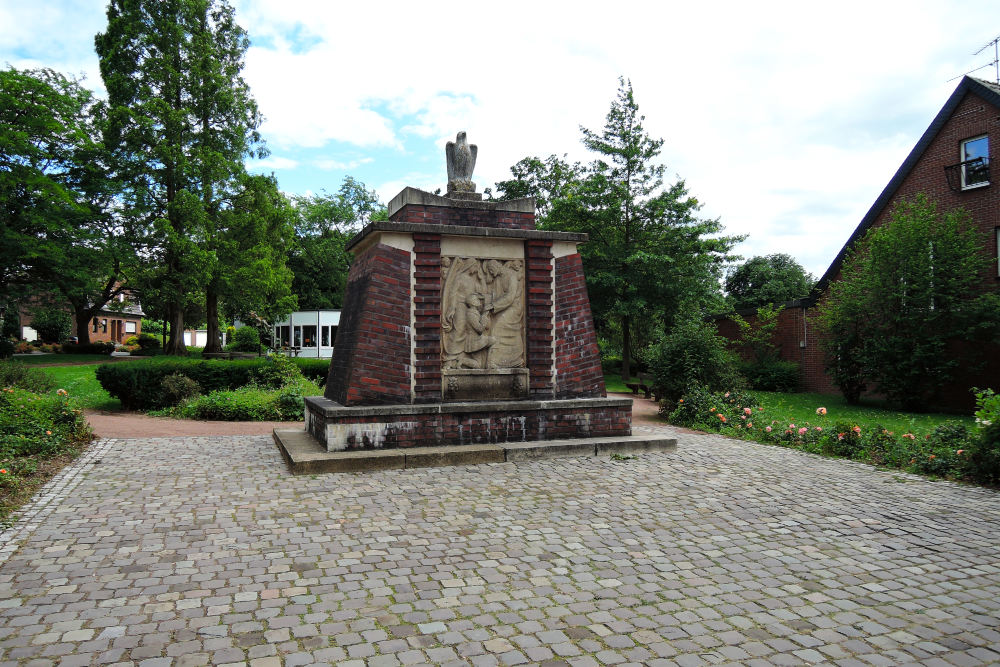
pixel 324 223
pixel 770 279
pixel 650 257
pixel 908 291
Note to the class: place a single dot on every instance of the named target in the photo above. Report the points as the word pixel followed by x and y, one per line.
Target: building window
pixel 975 162
pixel 95 325
pixel 104 326
pixel 309 335
pixel 297 333
pixel 325 336
pixel 130 327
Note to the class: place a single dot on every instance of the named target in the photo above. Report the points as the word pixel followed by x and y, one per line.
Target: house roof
pixel 984 89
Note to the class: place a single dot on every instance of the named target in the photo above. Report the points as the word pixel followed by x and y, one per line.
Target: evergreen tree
pixel 768 280
pixel 181 121
pixel 649 257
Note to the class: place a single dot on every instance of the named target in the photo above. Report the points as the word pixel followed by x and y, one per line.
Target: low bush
pixel 6 348
pixel 692 354
pixel 313 369
pixel 771 375
pixel 33 428
pixel 250 403
pixel 178 387
pixel 245 339
pixel 88 348
pixel 21 376
pixel 139 384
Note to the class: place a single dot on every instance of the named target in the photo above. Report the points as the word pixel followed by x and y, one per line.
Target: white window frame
pixel 129 327
pixel 964 158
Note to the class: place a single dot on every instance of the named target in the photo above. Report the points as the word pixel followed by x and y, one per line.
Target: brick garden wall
pixel 578 359
pixel 371 361
pixel 427 318
pixel 538 276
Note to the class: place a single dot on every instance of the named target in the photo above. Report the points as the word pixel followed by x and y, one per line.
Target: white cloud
pixel 785 118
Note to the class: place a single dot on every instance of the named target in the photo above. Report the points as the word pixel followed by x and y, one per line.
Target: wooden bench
pixel 644 385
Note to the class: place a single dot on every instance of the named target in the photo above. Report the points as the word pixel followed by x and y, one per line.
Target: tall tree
pixel 649 256
pixel 60 229
pixel 254 281
pixel 182 121
pixel 324 223
pixel 770 279
pixel 909 291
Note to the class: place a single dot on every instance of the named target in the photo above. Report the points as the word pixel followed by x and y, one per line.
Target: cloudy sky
pixel 785 119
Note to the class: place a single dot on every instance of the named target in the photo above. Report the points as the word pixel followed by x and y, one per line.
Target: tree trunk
pixel 175 345
pixel 83 318
pixel 213 343
pixel 626 349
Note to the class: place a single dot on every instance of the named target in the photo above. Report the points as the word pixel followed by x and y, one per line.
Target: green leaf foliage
pixel 763 280
pixel 908 290
pixel 650 260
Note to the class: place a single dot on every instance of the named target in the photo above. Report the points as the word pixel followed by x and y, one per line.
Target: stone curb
pixel 305 455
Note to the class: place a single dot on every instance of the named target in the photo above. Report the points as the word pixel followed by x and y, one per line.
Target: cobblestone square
pixel 204 550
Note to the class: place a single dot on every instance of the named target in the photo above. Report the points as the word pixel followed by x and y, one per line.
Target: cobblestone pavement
pixel 203 550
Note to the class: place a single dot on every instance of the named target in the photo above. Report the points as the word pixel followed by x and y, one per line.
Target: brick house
pixel 951 165
pixel 117 322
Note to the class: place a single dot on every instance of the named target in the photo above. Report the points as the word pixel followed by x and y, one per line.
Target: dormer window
pixel 975 162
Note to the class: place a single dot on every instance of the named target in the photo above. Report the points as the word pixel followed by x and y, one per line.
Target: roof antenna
pixel 995 63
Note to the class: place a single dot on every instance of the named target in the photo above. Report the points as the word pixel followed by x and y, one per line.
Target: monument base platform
pixel 305 455
pixel 340 428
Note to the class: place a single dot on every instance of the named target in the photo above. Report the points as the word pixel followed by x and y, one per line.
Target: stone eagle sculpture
pixel 461 157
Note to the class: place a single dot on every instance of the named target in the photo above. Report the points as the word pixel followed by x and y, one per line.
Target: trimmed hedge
pixel 314 369
pixel 139 384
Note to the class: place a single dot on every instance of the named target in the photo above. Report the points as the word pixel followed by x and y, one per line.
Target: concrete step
pixel 304 454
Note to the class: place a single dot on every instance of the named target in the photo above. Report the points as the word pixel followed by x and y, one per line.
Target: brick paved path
pixel 191 551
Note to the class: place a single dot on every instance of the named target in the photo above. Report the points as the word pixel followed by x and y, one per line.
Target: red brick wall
pixel 466 217
pixel 371 361
pixel 538 270
pixel 422 430
pixel 427 317
pixel 578 359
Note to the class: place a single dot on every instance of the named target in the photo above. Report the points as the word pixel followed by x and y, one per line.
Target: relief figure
pixel 505 283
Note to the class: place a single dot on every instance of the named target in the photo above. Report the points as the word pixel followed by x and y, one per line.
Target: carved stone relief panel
pixel 482 313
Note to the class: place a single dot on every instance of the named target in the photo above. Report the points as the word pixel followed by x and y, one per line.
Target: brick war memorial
pixel 466 337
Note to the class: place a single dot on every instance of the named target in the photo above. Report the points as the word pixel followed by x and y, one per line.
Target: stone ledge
pixel 409 195
pixel 304 454
pixel 458 230
pixel 331 409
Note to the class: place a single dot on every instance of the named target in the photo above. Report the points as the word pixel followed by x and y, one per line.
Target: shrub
pixel 316 370
pixel 88 348
pixel 177 387
pixel 693 354
pixel 251 403
pixel 21 376
pixel 6 348
pixel 148 343
pixel 22 347
pixel 245 339
pixel 131 340
pixel 982 461
pixel 53 324
pixel 277 371
pixel 845 440
pixel 771 375
pixel 139 384
pixel 34 425
pixel 707 410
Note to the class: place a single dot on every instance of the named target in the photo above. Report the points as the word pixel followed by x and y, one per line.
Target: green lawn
pixel 801 409
pixel 613 383
pixel 82 385
pixel 35 359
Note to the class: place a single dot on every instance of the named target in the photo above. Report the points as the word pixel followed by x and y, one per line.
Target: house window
pixel 975 162
pixel 325 336
pixel 104 326
pixel 95 325
pixel 130 327
pixel 297 333
pixel 283 335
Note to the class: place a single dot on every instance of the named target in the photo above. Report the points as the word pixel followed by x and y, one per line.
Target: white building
pixel 308 333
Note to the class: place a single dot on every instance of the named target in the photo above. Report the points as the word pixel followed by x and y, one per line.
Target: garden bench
pixel 644 385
